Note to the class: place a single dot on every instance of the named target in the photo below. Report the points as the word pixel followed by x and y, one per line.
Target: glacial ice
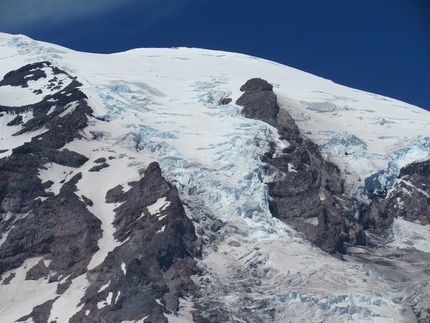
pixel 408 235
pixel 366 171
pixel 419 150
pixel 112 106
pixel 250 254
pixel 255 268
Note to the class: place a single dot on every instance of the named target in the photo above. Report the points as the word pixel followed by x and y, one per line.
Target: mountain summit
pixel 188 185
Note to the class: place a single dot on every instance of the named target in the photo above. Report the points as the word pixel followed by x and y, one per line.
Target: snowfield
pixel 163 105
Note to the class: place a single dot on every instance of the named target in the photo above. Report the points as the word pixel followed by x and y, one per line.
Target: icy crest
pixel 119 96
pixel 164 105
pixel 221 179
pixel 213 155
pixel 346 144
pixel 211 90
pixel 368 170
pixel 30 51
pixel 386 178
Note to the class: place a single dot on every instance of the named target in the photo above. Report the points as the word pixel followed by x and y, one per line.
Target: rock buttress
pixel 310 194
pixel 151 270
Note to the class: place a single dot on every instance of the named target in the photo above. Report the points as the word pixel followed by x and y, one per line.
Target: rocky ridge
pixel 155 258
pixel 309 192
pixel 154 263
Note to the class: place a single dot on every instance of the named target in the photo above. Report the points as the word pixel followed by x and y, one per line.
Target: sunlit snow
pixel 410 235
pixel 158 206
pixel 163 105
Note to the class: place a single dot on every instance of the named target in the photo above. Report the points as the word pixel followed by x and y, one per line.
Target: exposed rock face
pixel 225 101
pixel 309 195
pixel 61 228
pixel 21 76
pixel 151 266
pixel 309 192
pixel 151 270
pixel 408 199
pixel 40 313
pixel 411 197
pixel 310 199
pixel 259 102
pixel 35 221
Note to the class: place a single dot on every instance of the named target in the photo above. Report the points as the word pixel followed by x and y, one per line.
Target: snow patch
pixel 138 321
pixel 160 205
pixel 16 96
pixel 19 296
pixel 106 302
pixel 184 314
pixel 68 304
pixel 162 229
pixel 104 287
pixel 58 174
pixel 69 109
pixel 8 139
pixel 291 168
pixel 312 221
pixel 321 195
pixel 407 235
pixel 117 297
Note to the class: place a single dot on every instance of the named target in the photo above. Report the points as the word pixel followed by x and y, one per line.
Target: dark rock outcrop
pixel 40 313
pixel 98 168
pixel 225 101
pixel 151 270
pixel 39 223
pixel 409 199
pixel 15 122
pixel 259 102
pixel 310 194
pixel 21 76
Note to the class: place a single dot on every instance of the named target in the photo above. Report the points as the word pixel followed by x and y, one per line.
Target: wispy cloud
pixel 16 15
pixel 21 13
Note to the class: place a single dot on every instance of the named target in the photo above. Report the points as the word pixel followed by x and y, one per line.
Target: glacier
pixel 163 105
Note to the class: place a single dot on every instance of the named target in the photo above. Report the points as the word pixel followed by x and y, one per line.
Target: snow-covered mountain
pixel 188 185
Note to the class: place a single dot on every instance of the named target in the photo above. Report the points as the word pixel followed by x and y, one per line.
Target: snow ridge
pixel 168 105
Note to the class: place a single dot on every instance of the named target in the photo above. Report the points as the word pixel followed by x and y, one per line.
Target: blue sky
pixel 381 46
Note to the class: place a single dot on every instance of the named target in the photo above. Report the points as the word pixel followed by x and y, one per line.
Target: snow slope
pixel 362 132
pixel 163 105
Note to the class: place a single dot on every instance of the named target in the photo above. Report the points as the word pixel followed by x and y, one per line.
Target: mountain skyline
pixel 173 185
pixel 377 46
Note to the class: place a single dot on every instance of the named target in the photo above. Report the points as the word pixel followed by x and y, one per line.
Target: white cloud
pixel 21 13
pixel 18 14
